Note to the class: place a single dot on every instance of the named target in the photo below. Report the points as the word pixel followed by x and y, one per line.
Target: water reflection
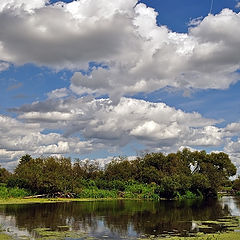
pixel 117 219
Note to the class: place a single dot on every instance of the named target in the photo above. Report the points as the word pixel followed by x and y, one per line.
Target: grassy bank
pixel 98 190
pixel 218 236
pixel 89 192
pixel 47 235
pixel 4 236
pixel 52 200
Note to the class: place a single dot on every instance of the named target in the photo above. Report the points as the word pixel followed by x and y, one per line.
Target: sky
pixel 97 79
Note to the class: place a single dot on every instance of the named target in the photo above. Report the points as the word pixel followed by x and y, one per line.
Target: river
pixel 117 219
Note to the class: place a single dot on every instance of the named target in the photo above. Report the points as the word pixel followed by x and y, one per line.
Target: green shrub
pixel 169 187
pixel 143 191
pixel 18 192
pixel 12 192
pixel 97 193
pixel 238 193
pixel 4 192
pixel 132 190
pixel 110 185
pixel 129 195
pixel 188 195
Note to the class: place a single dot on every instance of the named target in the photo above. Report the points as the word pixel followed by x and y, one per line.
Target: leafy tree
pixel 4 175
pixel 215 167
pixel 24 159
pixel 119 169
pixel 182 173
pixel 27 174
pixel 236 184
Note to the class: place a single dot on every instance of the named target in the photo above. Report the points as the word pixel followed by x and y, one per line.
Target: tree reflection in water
pixel 120 218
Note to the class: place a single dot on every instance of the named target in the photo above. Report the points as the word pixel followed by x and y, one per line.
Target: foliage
pixel 121 189
pixel 12 192
pixel 97 193
pixel 188 195
pixel 183 174
pixel 4 175
pixel 238 193
pixel 139 190
pixel 236 184
pixel 4 236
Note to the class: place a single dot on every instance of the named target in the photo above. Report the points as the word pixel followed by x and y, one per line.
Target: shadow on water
pixel 117 218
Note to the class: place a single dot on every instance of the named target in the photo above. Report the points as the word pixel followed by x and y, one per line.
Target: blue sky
pixel 97 79
pixel 176 14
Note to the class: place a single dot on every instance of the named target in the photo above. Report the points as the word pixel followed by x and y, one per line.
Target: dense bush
pixel 183 174
pixel 188 195
pixel 12 192
pixel 97 193
pixel 236 184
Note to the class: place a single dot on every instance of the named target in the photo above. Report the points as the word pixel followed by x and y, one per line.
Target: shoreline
pixel 57 200
pixel 217 236
pixel 4 236
pixel 5 201
pixel 233 235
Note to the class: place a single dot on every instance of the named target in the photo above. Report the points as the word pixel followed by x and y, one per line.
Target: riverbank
pixel 53 200
pixel 217 236
pixel 4 236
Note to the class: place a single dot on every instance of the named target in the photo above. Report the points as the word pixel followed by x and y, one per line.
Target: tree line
pixel 154 175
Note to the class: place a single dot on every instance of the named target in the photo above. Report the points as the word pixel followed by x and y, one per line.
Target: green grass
pixel 141 191
pixel 97 193
pixel 12 192
pixel 131 190
pixel 48 200
pixel 217 236
pixel 4 236
pixel 188 195
pixel 46 233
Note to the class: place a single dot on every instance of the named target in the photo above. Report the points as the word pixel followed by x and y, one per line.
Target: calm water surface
pixel 117 219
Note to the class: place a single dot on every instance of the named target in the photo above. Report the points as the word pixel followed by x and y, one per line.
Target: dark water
pixel 117 219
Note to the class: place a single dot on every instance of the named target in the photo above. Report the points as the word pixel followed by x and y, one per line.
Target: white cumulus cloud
pixel 237 5
pixel 102 122
pixel 138 54
pixel 18 138
pixel 80 125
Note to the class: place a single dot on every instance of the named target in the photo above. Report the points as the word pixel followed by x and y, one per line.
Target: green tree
pixel 216 168
pixel 236 184
pixel 4 175
pixel 119 169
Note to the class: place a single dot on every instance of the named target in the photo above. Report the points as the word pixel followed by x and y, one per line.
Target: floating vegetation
pixel 63 228
pixel 230 230
pixel 61 234
pixel 4 236
pixel 227 228
pixel 229 223
pixel 218 236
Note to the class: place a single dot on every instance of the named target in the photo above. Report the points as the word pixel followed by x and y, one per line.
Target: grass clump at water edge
pixel 4 236
pixel 14 192
pixel 217 236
